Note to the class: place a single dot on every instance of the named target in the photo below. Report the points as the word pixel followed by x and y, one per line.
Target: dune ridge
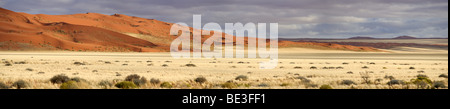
pixel 104 33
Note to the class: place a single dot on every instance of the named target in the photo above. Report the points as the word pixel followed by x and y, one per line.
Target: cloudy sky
pixel 296 18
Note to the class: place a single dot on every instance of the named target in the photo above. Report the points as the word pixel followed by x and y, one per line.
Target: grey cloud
pixel 384 28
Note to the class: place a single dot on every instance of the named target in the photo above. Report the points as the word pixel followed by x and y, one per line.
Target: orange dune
pixel 99 32
pixel 22 28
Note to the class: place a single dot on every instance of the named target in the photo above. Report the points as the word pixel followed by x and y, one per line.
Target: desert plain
pixel 298 68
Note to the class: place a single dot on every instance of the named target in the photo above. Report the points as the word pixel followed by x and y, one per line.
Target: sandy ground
pixel 220 70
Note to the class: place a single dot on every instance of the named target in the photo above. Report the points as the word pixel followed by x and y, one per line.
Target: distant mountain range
pixel 360 37
pixel 399 37
pixel 404 37
pixel 380 43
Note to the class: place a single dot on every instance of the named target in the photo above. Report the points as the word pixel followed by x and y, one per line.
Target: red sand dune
pixel 26 29
pixel 98 32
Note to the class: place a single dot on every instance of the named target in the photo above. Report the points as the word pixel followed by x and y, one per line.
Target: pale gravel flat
pixel 221 70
